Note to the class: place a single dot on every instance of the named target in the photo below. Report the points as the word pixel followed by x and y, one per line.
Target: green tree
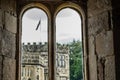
pixel 75 60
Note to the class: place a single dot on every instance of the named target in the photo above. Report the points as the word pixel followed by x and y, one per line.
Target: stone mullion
pixel 51 48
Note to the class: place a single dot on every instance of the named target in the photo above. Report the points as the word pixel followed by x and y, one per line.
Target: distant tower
pixel 32 63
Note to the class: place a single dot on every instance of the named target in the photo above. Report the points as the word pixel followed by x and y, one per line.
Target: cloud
pixel 35 14
pixel 68 26
pixel 67 12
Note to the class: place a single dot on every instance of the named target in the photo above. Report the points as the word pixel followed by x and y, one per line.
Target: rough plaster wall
pixel 100 40
pixel 8 31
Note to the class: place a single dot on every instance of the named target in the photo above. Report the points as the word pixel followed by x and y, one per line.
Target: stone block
pixel 104 44
pixel 0 41
pixel 10 23
pixel 9 5
pixel 110 68
pixel 85 53
pixel 8 44
pixel 91 43
pixel 98 6
pixel 100 68
pixel 1 18
pixel 1 67
pixel 85 68
pixel 9 69
pixel 98 23
pixel 93 67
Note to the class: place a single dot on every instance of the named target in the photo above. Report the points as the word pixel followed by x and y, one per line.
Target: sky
pixel 68 26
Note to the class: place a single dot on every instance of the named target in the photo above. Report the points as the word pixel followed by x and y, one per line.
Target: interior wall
pixel 103 39
pixel 100 40
pixel 8 29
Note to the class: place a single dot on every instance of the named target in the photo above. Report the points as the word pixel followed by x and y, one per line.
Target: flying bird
pixel 39 23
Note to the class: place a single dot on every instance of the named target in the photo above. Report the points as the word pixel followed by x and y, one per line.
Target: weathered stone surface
pixel 91 45
pixel 9 69
pixel 1 19
pixel 110 68
pixel 85 68
pixel 9 5
pixel 93 67
pixel 98 23
pixel 0 41
pixel 100 68
pixel 98 6
pixel 104 44
pixel 1 67
pixel 10 23
pixel 8 44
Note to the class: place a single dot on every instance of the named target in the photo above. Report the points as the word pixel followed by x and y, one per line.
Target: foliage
pixel 75 60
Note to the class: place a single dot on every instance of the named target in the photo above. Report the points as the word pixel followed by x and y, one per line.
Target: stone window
pixel 68 34
pixel 51 32
pixel 37 33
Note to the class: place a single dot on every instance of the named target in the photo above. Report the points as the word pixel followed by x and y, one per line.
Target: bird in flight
pixel 39 23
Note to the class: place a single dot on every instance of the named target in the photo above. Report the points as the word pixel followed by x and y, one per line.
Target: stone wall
pixel 100 40
pixel 8 29
pixel 103 39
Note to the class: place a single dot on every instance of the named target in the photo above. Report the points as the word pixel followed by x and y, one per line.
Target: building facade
pixel 34 62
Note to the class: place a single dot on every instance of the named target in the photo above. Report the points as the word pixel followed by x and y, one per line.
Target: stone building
pixel 34 62
pixel 100 29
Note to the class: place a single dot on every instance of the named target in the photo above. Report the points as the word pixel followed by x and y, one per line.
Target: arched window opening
pixel 69 45
pixel 34 55
pixel 51 38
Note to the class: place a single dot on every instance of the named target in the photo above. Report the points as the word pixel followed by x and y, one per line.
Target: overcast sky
pixel 68 26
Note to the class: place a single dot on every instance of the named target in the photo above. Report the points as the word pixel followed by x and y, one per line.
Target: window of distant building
pixel 62 61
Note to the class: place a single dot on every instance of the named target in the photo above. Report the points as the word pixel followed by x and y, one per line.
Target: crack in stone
pixel 101 68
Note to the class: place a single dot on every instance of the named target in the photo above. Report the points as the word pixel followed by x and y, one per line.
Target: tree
pixel 75 60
